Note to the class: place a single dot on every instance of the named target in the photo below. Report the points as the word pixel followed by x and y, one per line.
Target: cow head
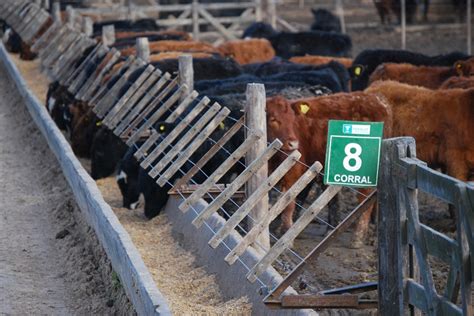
pixel 465 68
pixel 281 123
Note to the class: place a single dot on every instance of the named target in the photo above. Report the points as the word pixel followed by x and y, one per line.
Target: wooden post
pixel 143 49
pixel 469 15
pixel 186 73
pixel 391 228
pixel 195 17
pixel 270 12
pixel 108 35
pixel 256 120
pixel 258 11
pixel 404 24
pixel 340 13
pixel 87 26
pixel 56 12
pixel 70 16
pixel 46 4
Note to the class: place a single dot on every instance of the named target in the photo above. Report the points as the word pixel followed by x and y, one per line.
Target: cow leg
pixel 362 225
pixel 333 212
pixel 287 218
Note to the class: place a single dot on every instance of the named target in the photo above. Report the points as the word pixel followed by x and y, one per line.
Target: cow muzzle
pixel 292 145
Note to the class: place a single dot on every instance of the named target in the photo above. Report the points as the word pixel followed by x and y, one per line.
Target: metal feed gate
pixel 156 96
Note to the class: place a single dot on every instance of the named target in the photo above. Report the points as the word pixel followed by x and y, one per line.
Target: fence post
pixel 87 26
pixel 404 23
pixel 258 11
pixel 46 4
pixel 195 17
pixel 186 73
pixel 269 7
pixel 469 16
pixel 256 119
pixel 108 35
pixel 340 13
pixel 393 253
pixel 70 16
pixel 143 49
pixel 56 12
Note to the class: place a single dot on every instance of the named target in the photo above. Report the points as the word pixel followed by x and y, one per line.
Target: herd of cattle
pixel 309 78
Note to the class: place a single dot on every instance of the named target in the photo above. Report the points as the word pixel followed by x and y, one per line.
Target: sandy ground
pixel 50 263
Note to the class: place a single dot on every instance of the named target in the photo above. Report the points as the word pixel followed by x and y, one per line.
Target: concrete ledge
pixel 232 279
pixel 126 261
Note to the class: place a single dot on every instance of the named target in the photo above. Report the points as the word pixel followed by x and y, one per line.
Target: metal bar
pixel 325 243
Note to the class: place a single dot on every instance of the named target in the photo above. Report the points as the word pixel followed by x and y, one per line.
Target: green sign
pixel 353 153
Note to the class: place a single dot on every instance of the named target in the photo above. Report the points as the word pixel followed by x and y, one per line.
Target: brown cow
pixel 248 51
pixel 25 50
pixel 439 120
pixel 302 125
pixel 465 67
pixel 431 77
pixel 458 82
pixel 175 55
pixel 321 60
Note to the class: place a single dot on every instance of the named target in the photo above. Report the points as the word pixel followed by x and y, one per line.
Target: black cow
pixel 287 45
pixel 324 20
pixel 366 62
pixel 385 7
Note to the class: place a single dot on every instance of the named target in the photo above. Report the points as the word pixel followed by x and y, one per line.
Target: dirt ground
pixel 50 262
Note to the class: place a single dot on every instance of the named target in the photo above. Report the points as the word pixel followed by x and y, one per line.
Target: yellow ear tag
pixel 162 128
pixel 458 66
pixel 222 125
pixel 98 123
pixel 304 108
pixel 357 71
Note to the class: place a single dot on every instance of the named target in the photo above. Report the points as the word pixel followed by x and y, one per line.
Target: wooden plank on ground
pixel 287 239
pixel 253 199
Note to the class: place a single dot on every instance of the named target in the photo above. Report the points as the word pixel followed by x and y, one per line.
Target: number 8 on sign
pixel 353 153
pixel 352 156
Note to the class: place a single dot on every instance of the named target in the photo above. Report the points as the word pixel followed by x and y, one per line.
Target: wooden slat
pixel 438 245
pixel 237 183
pixel 111 98
pixel 185 155
pixel 188 189
pixel 452 285
pixel 320 301
pixel 53 41
pixel 70 55
pixel 67 65
pixel 156 115
pixel 274 211
pixel 98 94
pixel 354 289
pixel 137 95
pixel 220 171
pixel 209 154
pixel 324 244
pixel 97 51
pixel 287 239
pixel 86 92
pixel 183 141
pixel 41 43
pixel 214 22
pixel 63 46
pixel 79 77
pixel 253 199
pixel 32 30
pixel 142 151
pixel 435 183
pixel 109 117
pixel 157 86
